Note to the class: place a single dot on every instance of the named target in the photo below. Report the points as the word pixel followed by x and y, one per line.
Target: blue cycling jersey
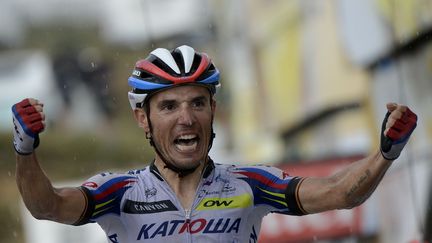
pixel 230 202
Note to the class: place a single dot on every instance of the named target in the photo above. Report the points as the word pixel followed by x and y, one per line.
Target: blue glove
pixel 397 127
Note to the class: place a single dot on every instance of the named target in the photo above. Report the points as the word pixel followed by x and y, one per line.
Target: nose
pixel 186 116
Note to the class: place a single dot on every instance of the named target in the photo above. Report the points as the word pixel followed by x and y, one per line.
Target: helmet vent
pixel 179 60
pixel 162 65
pixel 196 63
pixel 164 56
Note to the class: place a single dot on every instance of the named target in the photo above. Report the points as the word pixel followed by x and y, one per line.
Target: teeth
pixel 187 136
pixel 187 142
pixel 187 148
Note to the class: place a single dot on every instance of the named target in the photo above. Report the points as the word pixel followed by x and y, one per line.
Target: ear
pixel 141 118
pixel 213 106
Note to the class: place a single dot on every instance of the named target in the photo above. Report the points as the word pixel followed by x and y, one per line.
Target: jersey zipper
pixel 187 222
pixel 187 212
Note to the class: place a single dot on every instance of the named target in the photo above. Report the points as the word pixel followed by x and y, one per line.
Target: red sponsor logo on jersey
pixel 196 226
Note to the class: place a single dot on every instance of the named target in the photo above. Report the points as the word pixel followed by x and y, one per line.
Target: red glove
pixel 28 119
pixel 397 127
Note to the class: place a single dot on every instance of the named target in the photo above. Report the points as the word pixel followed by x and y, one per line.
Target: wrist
pixel 18 153
pixel 21 152
pixel 382 156
pixel 25 160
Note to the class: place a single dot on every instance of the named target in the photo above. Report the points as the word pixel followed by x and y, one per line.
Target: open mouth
pixel 186 143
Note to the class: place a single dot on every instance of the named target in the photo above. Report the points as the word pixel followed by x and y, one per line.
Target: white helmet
pixel 164 69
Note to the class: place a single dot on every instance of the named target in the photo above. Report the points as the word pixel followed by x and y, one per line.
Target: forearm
pixel 347 188
pixel 36 189
pixel 359 182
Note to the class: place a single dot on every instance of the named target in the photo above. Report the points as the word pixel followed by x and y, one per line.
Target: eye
pixel 198 103
pixel 167 106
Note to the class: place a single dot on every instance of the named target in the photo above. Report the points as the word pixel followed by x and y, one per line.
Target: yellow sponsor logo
pixel 214 203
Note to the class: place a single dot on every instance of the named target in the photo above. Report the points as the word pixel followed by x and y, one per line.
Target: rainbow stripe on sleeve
pixel 267 188
pixel 108 196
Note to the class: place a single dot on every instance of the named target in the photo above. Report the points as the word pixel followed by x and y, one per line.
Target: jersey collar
pixel 207 171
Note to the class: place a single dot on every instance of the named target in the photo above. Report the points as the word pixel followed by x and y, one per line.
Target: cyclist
pixel 183 196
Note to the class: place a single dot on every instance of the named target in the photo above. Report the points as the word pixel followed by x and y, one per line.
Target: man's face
pixel 181 119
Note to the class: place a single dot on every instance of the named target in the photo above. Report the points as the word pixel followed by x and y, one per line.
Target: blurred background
pixel 305 85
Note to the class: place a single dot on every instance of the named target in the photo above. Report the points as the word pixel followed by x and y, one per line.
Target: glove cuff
pixel 20 151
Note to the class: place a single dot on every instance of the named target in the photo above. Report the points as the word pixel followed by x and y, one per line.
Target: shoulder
pixel 104 193
pixel 257 171
pixel 111 180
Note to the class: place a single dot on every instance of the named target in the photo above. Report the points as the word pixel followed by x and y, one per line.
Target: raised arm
pixel 351 186
pixel 64 205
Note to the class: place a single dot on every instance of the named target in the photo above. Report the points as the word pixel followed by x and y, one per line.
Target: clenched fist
pixel 397 127
pixel 29 121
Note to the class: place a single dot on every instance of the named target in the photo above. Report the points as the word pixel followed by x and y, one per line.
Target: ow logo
pixel 217 203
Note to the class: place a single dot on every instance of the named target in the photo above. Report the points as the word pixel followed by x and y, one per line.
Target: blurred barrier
pixel 26 74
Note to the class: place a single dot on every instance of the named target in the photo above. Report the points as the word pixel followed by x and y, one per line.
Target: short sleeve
pixel 103 194
pixel 273 188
